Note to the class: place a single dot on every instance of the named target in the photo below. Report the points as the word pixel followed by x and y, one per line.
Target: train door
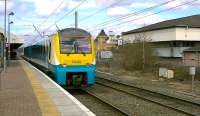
pixel 49 50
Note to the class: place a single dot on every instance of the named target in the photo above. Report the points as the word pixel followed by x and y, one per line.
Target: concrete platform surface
pixel 26 90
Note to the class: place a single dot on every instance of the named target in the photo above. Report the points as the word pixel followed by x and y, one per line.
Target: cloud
pixel 46 7
pixel 177 3
pixel 124 3
pixel 118 30
pixel 10 6
pixel 116 11
pixel 142 4
pixel 86 5
pixel 106 2
pixel 37 11
pixel 135 22
pixel 141 20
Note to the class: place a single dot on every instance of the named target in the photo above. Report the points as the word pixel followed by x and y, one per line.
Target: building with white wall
pixel 15 42
pixel 170 37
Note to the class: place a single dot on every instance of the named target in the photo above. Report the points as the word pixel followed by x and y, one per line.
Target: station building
pixel 170 38
pixel 15 42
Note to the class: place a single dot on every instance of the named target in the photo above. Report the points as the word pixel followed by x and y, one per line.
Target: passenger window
pixel 49 50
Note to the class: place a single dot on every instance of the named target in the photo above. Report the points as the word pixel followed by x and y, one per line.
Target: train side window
pixel 49 50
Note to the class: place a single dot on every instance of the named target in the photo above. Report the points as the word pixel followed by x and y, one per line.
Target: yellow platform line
pixel 46 104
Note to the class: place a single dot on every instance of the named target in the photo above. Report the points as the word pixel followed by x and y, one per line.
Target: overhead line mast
pixel 98 11
pixel 76 20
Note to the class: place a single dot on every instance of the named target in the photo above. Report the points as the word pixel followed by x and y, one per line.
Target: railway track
pixel 113 110
pixel 96 104
pixel 179 105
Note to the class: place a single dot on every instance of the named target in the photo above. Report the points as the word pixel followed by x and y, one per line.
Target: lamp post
pixel 9 22
pixel 9 55
pixel 4 42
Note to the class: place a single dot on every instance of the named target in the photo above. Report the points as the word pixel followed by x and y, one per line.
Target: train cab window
pixel 76 45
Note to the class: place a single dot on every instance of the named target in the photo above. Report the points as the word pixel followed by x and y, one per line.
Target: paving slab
pixel 16 94
pixel 26 91
pixel 64 101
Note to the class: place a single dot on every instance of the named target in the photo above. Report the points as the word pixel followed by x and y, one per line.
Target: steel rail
pixel 150 93
pixel 104 101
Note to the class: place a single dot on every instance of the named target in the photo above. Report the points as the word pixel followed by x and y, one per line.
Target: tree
pixel 143 39
pixel 139 55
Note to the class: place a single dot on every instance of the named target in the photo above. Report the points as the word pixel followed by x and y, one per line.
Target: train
pixel 68 54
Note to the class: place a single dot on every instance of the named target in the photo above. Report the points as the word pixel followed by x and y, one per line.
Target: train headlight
pixel 94 62
pixel 87 64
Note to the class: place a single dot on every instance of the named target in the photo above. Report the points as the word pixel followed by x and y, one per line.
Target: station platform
pixel 26 91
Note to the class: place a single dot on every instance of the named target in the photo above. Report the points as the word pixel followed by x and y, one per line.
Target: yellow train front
pixel 68 54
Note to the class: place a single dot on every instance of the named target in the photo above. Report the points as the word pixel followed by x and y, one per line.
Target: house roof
pixel 192 49
pixel 102 33
pixel 190 21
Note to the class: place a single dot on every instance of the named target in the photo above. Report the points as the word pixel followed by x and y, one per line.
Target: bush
pixel 130 56
pixel 181 73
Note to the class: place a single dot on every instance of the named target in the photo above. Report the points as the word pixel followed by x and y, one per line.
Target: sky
pixel 114 16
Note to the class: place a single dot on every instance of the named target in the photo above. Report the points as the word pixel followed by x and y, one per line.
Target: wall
pixel 172 34
pixel 16 40
pixel 155 36
pixel 191 59
pixel 162 39
pixel 190 34
pixel 170 51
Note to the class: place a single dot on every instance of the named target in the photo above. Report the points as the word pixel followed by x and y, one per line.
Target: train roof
pixel 74 32
pixel 67 32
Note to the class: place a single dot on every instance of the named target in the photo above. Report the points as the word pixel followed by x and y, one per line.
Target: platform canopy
pixel 14 38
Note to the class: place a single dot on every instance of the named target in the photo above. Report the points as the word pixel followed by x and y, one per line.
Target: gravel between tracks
pixel 133 105
pixel 96 106
pixel 163 100
pixel 157 86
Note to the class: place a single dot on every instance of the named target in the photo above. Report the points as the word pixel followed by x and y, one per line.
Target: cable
pixel 19 18
pixel 24 20
pixel 135 13
pixel 150 14
pixel 71 10
pixel 160 11
pixel 65 15
pixel 98 11
pixel 51 13
pixel 46 18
